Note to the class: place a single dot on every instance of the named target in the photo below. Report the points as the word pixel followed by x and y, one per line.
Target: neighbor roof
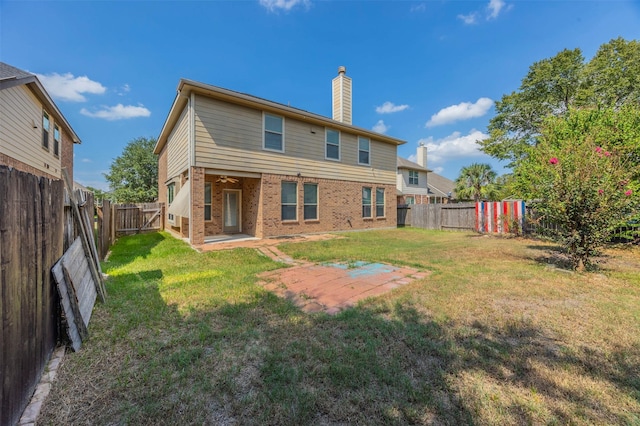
pixel 186 87
pixel 11 76
pixel 440 185
pixel 406 164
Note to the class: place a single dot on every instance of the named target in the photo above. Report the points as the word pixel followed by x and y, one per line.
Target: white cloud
pixel 380 127
pixel 462 111
pixel 419 7
pixel 390 107
pixel 124 89
pixel 86 160
pixel 454 146
pixel 495 6
pixel 118 112
pixel 469 19
pixel 66 87
pixel 286 5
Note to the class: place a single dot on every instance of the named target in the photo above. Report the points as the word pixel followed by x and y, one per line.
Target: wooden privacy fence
pixel 31 241
pixel 452 217
pixel 115 220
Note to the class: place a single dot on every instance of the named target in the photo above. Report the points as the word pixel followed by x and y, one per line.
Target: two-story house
pixel 416 184
pixel 235 163
pixel 34 135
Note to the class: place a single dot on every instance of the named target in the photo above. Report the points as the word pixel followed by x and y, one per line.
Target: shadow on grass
pixel 262 361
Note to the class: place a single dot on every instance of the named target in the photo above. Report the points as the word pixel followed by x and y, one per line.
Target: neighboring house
pixel 441 189
pixel 34 135
pixel 411 179
pixel 416 184
pixel 235 163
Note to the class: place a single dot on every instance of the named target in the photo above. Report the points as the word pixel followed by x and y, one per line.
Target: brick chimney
pixel 422 155
pixel 341 98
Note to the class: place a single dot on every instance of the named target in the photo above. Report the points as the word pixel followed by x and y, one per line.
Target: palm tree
pixel 476 182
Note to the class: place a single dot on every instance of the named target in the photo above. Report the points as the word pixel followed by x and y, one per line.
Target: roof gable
pixel 11 76
pixel 186 87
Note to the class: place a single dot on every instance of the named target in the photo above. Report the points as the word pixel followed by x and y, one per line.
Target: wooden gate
pixel 136 218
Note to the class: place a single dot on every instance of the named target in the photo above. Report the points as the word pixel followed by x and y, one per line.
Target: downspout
pixel 192 154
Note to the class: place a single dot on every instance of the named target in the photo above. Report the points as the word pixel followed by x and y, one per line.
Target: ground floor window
pixel 366 202
pixel 207 201
pixel 310 201
pixel 289 200
pixel 410 200
pixel 379 202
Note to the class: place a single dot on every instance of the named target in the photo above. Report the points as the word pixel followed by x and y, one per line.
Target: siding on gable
pixel 405 188
pixel 229 137
pixel 178 146
pixel 19 110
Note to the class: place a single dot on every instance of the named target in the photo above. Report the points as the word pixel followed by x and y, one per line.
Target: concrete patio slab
pixel 333 287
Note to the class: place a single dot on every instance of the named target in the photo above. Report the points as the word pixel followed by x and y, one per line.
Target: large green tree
pixel 476 182
pixel 581 179
pixel 133 176
pixel 554 85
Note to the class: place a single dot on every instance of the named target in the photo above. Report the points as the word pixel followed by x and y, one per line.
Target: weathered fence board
pixel 135 218
pixel 31 240
pixel 455 217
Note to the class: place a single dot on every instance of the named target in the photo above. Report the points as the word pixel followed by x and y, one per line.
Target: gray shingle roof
pixel 9 72
pixel 440 185
pixel 406 164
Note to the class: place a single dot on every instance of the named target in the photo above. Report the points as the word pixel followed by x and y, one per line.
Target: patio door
pixel 231 211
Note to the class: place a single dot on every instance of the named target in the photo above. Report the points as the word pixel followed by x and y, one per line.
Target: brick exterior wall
pixel 196 224
pixel 339 207
pixel 418 199
pixel 162 178
pixel 66 153
pixel 23 167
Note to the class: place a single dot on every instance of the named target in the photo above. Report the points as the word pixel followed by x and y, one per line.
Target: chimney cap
pixel 342 69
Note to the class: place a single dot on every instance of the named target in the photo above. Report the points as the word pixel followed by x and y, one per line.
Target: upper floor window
pixel 170 192
pixel 45 130
pixel 379 202
pixel 56 140
pixel 273 133
pixel 413 177
pixel 332 138
pixel 289 200
pixel 310 201
pixel 363 151
pixel 366 202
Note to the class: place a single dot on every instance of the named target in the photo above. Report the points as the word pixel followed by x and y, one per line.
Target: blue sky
pixel 422 71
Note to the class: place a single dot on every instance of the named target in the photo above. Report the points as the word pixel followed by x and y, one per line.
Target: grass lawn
pixel 495 335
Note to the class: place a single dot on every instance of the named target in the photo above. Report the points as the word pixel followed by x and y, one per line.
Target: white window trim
pixel 369 151
pixel 371 204
pixel 326 129
pixel 210 204
pixel 289 204
pixel 264 130
pixel 418 177
pixel 317 204
pixel 384 210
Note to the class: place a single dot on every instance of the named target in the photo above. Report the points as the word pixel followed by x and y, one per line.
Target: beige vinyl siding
pixel 403 183
pixel 229 137
pixel 19 110
pixel 178 146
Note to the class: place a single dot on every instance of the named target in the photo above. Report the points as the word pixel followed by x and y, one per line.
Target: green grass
pixel 495 335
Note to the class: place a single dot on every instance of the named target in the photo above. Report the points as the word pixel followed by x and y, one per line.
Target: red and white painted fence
pixel 499 216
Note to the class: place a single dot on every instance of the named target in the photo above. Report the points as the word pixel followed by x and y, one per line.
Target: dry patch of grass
pixel 496 334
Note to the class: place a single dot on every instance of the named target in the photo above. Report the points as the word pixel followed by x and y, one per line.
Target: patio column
pixel 196 222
